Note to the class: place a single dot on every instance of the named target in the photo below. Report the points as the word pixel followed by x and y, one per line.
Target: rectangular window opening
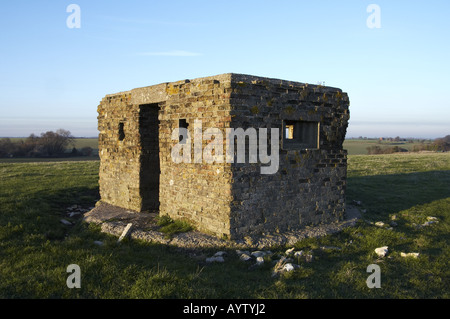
pixel 299 135
pixel 121 132
pixel 182 123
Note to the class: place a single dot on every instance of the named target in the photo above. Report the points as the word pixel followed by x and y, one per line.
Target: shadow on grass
pixel 382 195
pixel 131 269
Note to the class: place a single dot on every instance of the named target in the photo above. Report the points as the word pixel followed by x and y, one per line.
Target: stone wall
pixel 120 157
pixel 138 172
pixel 225 199
pixel 199 192
pixel 309 187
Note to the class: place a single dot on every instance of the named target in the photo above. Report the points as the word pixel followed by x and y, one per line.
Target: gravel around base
pixel 114 219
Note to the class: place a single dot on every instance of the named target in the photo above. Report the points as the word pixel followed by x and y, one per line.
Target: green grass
pixel 171 227
pixel 79 142
pixel 35 248
pixel 49 160
pixel 86 142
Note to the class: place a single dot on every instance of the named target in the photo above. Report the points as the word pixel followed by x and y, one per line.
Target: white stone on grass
pixel 288 267
pixel 381 251
pixel 289 251
pixel 259 260
pixel 414 255
pixel 125 232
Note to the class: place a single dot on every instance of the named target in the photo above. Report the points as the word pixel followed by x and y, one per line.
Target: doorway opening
pixel 150 162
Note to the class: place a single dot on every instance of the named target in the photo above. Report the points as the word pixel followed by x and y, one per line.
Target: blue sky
pixel 397 76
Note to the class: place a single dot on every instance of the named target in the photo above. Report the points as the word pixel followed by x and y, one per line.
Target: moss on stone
pixel 254 110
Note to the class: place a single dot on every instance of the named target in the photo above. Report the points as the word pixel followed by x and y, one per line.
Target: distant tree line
pixel 438 145
pixel 375 149
pixel 48 144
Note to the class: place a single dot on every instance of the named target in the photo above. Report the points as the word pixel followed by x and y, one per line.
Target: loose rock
pixel 65 222
pixel 245 257
pixel 289 251
pixel 288 267
pixel 220 254
pixel 413 255
pixel 381 251
pixel 259 261
pixel 125 232
pixel 258 253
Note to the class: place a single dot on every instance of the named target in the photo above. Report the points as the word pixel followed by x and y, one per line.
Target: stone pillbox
pixel 228 198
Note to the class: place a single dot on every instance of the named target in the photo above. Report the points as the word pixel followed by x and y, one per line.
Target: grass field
pixel 354 146
pixel 35 248
pixel 359 146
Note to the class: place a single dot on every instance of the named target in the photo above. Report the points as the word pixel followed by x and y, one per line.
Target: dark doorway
pixel 150 167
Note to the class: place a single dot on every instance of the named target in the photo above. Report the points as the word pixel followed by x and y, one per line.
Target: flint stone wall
pixel 225 199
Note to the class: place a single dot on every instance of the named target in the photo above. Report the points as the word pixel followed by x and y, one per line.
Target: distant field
pixel 359 146
pixel 353 146
pixel 84 142
pixel 79 142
